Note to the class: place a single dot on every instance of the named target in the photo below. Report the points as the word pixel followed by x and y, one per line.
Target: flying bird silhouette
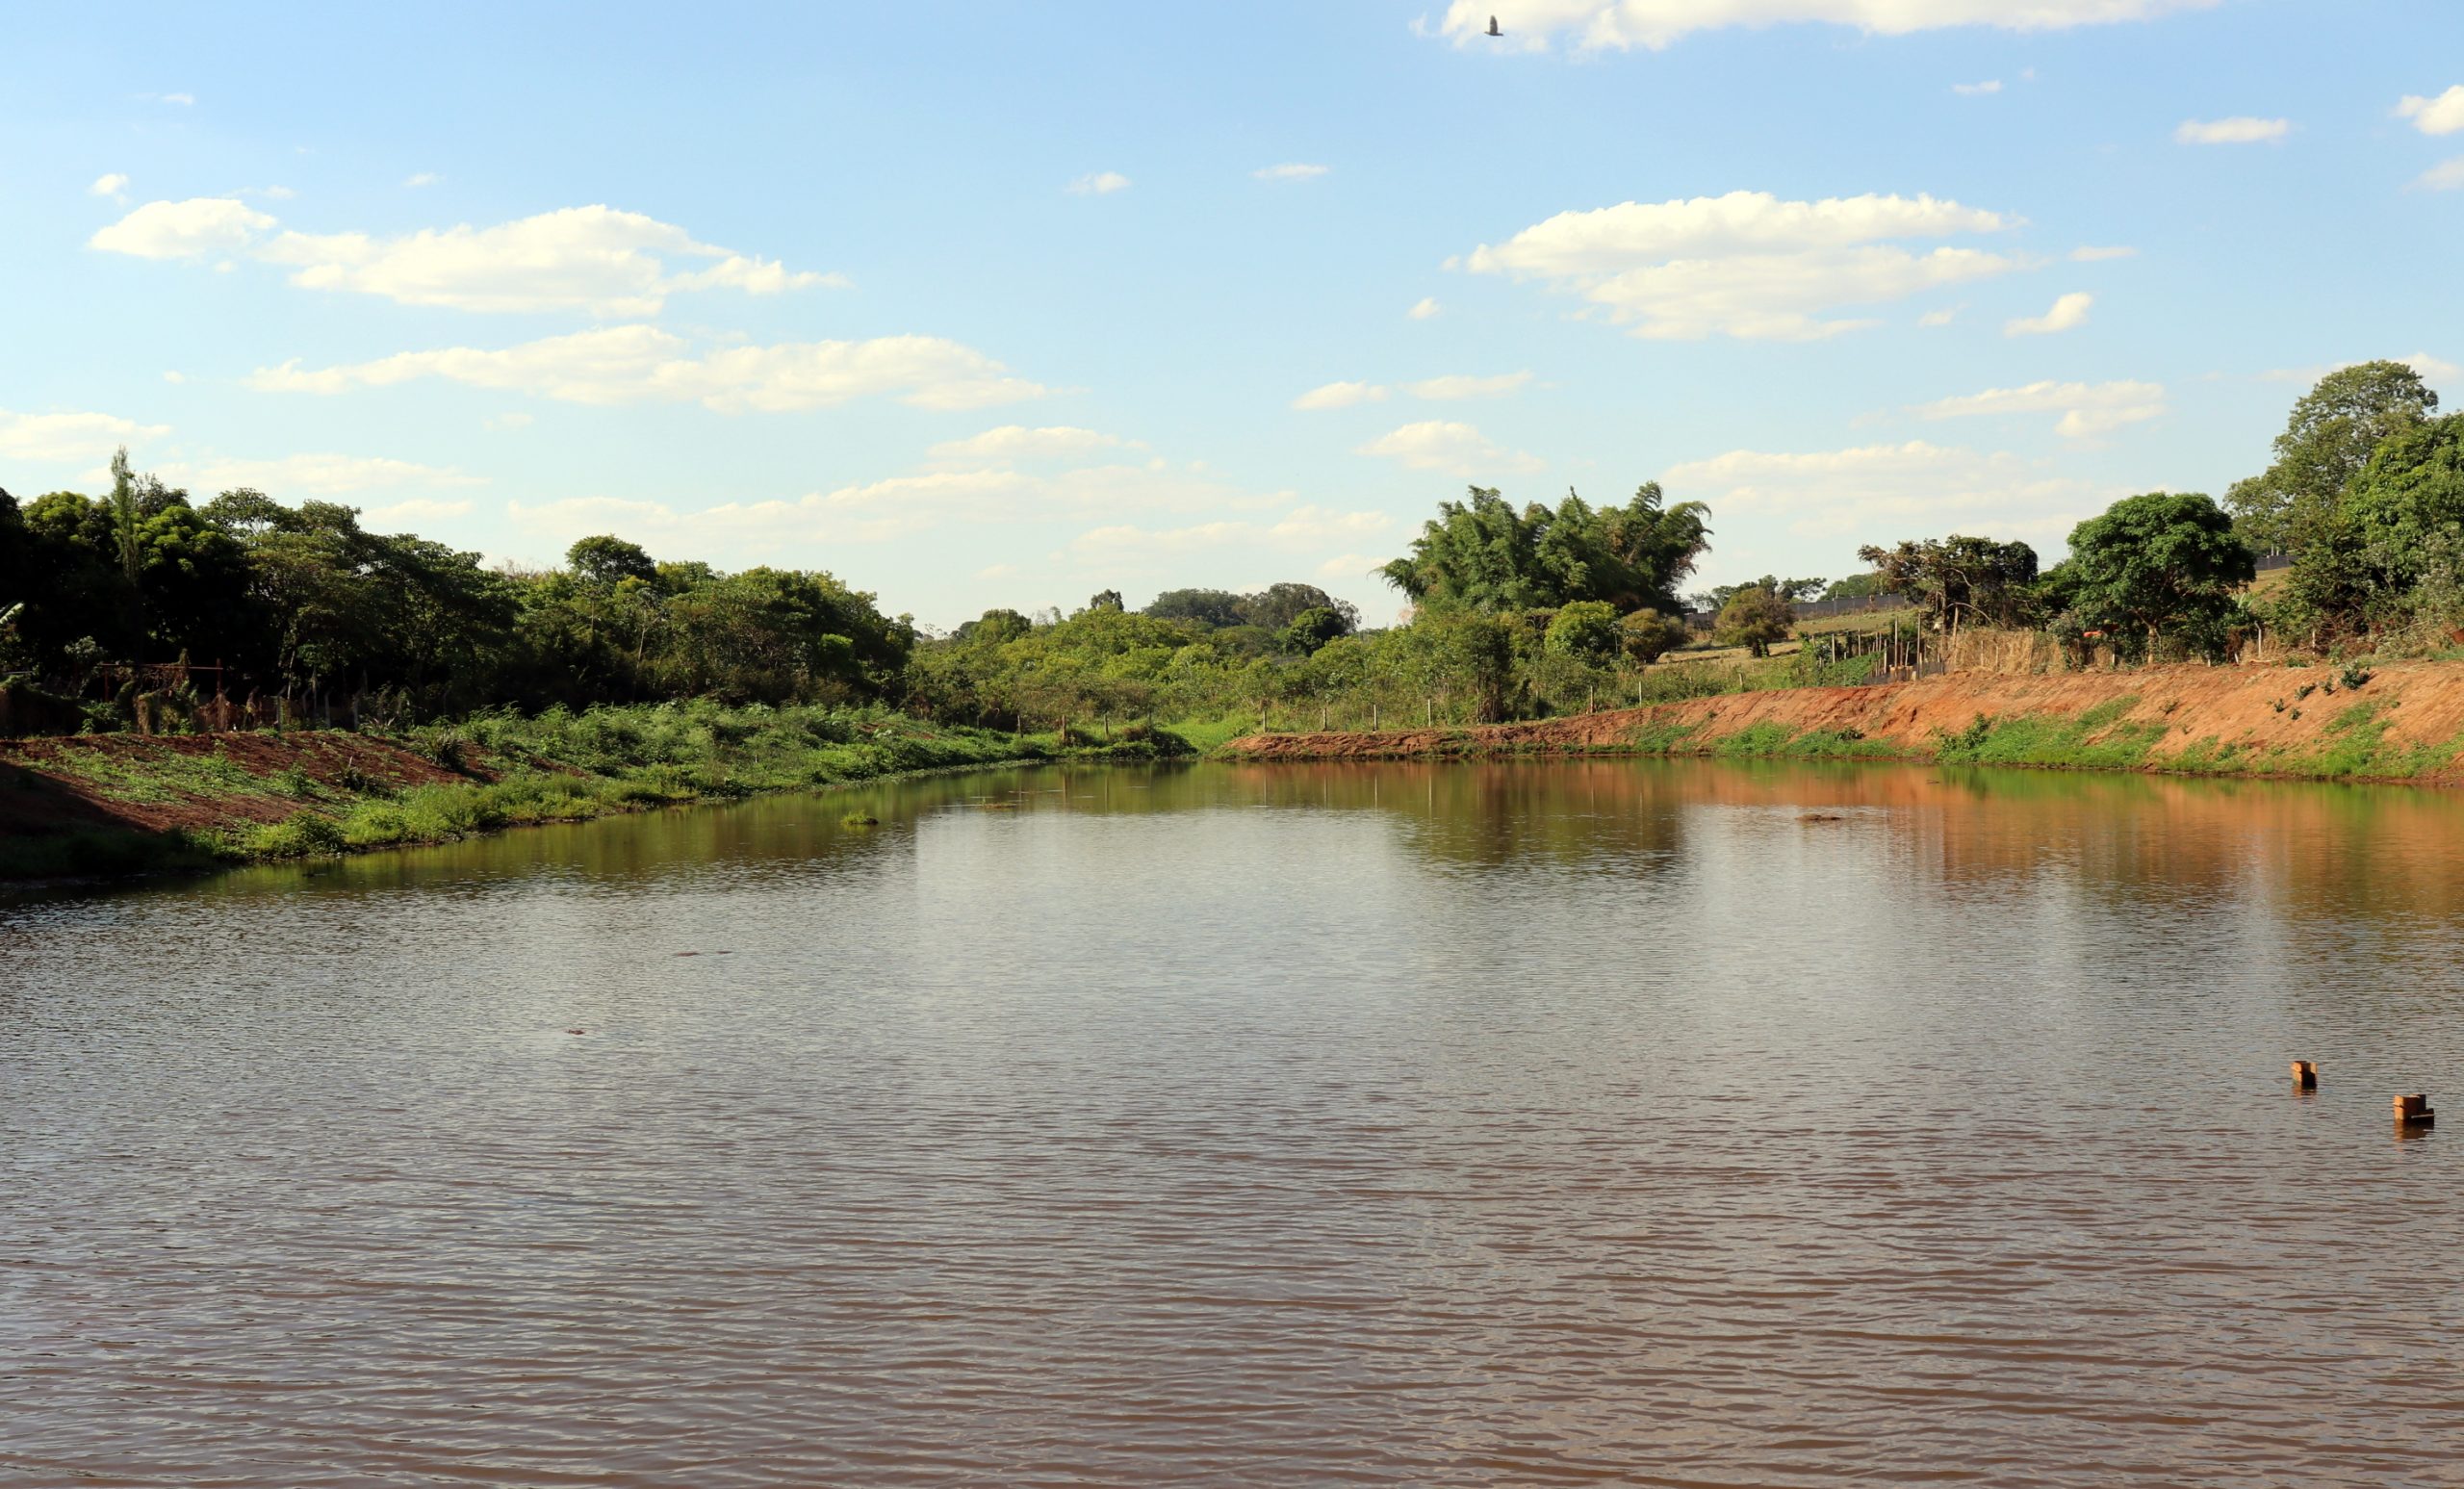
pixel 1493 27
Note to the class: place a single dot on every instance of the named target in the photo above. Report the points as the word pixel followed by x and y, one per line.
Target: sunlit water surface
pixel 1529 1123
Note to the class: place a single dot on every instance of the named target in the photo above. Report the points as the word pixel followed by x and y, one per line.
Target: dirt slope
pixel 191 780
pixel 2411 714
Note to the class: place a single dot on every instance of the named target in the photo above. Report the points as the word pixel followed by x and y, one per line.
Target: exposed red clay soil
pixel 50 796
pixel 2422 702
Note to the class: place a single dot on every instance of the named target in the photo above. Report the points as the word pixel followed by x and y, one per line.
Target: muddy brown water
pixel 1658 1122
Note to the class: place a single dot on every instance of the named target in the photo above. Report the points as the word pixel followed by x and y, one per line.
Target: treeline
pixel 1516 611
pixel 304 604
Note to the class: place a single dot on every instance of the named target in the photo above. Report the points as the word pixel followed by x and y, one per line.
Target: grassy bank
pixel 117 804
pixel 2400 722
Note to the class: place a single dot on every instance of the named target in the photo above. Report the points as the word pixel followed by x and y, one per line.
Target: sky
pixel 1000 304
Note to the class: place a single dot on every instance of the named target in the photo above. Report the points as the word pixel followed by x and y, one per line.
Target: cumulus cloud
pixel 1426 308
pixel 1977 90
pixel 635 364
pixel 2088 255
pixel 1934 319
pixel 1290 170
pixel 1748 264
pixel 2070 310
pixel 589 260
pixel 1013 443
pixel 111 186
pixel 2445 176
pixel 1916 487
pixel 899 506
pixel 1102 183
pixel 314 475
pixel 415 511
pixel 1304 527
pixel 421 179
pixel 1446 444
pixel 69 437
pixel 183 230
pixel 2239 130
pixel 1339 395
pixel 2086 409
pixel 1621 25
pixel 2443 114
pixel 1462 386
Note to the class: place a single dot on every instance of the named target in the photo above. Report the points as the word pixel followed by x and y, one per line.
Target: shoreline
pixel 2400 723
pixel 107 809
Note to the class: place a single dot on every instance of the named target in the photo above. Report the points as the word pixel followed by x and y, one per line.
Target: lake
pixel 1631 1122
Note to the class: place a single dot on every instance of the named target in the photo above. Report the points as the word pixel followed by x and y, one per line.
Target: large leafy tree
pixel 2327 441
pixel 1958 581
pixel 1482 553
pixel 2152 565
pixel 2398 522
pixel 1755 618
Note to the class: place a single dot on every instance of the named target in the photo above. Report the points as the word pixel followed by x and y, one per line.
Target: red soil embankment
pixel 161 782
pixel 2420 705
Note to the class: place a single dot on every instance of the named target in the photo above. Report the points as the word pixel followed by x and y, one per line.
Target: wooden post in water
pixel 2305 1074
pixel 2414 1112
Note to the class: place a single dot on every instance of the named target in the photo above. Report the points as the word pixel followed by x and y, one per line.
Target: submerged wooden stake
pixel 2305 1074
pixel 2414 1111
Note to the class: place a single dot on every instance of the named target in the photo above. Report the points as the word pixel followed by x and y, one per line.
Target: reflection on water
pixel 1615 1121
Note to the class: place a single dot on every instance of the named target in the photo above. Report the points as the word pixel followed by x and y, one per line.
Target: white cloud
pixel 2088 255
pixel 1748 264
pixel 591 259
pixel 111 186
pixel 2428 366
pixel 1302 528
pixel 998 571
pixel 269 192
pixel 1348 566
pixel 183 230
pixel 1013 443
pixel 316 474
pixel 1339 395
pixel 69 437
pixel 634 364
pixel 2070 310
pixel 418 509
pixel 502 421
pixel 1463 386
pixel 1426 308
pixel 2239 130
pixel 2445 176
pixel 423 178
pixel 1621 25
pixel 2443 114
pixel 183 99
pixel 175 377
pixel 1933 318
pixel 1102 183
pixel 896 507
pixel 1445 445
pixel 1881 492
pixel 1977 90
pixel 2086 409
pixel 1290 170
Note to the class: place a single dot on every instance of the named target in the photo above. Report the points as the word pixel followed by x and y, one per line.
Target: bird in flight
pixel 1493 27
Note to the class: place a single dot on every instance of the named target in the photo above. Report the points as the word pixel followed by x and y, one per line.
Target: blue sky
pixel 979 304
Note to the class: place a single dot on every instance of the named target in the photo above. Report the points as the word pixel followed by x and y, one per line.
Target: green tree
pixel 1959 580
pixel 1214 608
pixel 607 561
pixel 1647 635
pixel 2153 564
pixel 1755 618
pixel 1483 554
pixel 2329 439
pixel 1585 629
pixel 1313 629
